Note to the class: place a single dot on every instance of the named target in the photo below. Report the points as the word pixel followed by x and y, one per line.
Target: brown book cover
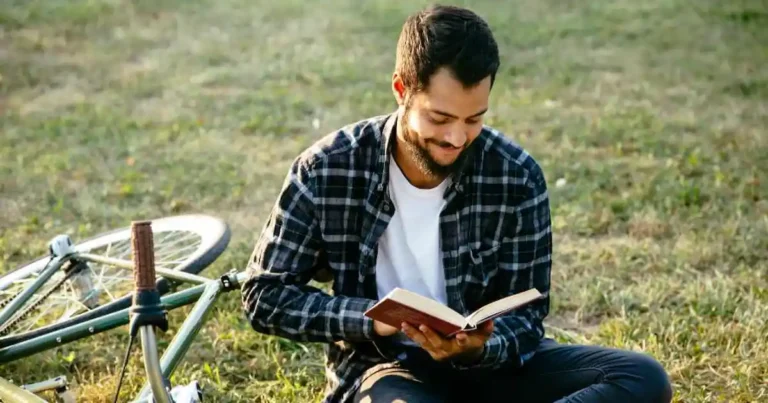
pixel 401 305
pixel 394 313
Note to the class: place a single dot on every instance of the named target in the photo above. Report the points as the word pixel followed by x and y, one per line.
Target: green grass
pixel 653 114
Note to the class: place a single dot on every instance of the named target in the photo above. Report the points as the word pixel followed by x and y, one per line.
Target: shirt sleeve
pixel 276 296
pixel 525 261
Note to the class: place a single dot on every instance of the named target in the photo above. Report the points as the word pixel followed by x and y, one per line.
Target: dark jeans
pixel 556 373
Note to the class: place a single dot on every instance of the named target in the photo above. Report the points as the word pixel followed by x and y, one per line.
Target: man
pixel 431 200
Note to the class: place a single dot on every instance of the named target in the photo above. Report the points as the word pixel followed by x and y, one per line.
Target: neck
pixel 408 165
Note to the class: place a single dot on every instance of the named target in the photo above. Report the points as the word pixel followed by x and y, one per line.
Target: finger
pixel 415 335
pixel 435 339
pixel 486 328
pixel 462 339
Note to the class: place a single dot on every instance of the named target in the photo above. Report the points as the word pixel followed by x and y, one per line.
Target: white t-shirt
pixel 409 251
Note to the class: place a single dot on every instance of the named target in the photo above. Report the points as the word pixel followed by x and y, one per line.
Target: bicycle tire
pixel 214 232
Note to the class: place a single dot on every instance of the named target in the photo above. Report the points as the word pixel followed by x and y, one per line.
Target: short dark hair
pixel 446 36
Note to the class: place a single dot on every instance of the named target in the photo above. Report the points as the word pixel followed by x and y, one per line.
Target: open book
pixel 401 305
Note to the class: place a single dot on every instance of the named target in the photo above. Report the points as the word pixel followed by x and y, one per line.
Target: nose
pixel 456 137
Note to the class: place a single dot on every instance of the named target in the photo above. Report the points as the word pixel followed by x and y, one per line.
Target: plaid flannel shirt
pixel 333 207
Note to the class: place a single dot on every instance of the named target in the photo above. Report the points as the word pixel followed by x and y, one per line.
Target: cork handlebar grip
pixel 143 255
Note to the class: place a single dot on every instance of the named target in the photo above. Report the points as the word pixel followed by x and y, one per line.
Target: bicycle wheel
pixel 188 243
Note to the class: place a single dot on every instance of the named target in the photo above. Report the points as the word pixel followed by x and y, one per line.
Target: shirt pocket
pixel 479 287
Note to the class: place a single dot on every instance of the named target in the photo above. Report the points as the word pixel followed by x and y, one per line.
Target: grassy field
pixel 650 116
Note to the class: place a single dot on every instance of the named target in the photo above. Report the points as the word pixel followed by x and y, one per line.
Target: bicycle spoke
pixel 31 323
pixel 161 249
pixel 98 285
pixel 183 251
pixel 68 313
pixel 103 266
pixel 106 289
pixel 165 263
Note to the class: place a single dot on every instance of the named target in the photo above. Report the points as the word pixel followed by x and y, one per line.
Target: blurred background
pixel 649 119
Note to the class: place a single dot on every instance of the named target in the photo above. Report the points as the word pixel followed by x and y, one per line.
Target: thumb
pixel 487 327
pixel 461 339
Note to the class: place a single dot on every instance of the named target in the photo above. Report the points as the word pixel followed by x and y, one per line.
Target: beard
pixel 421 156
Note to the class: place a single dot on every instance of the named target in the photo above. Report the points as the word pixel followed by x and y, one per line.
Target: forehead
pixel 448 94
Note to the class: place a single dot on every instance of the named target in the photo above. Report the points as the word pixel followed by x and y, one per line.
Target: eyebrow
pixel 439 112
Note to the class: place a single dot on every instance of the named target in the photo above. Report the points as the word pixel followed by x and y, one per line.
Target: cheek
pixel 421 127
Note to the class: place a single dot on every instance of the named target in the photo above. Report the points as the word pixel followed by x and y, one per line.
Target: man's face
pixel 440 123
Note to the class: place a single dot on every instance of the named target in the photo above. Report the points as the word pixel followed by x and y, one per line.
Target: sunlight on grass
pixel 650 115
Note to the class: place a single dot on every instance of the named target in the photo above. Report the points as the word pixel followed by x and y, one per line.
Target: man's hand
pixel 383 329
pixel 464 347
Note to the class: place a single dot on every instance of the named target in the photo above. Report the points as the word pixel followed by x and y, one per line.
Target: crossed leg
pixel 565 373
pixel 559 373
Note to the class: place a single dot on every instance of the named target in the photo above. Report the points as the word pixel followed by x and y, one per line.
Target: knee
pixel 655 383
pixel 395 385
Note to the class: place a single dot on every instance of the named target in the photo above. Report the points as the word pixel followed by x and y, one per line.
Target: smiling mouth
pixel 448 148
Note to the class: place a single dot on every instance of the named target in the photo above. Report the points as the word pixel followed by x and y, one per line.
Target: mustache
pixel 445 144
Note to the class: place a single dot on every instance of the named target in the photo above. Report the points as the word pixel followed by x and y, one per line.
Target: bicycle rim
pixel 187 243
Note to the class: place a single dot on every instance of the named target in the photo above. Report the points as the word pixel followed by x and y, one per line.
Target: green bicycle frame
pixel 55 264
pixel 52 267
pixel 206 287
pixel 190 328
pixel 205 292
pixel 91 327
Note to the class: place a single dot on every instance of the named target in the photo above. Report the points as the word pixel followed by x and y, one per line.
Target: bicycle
pixel 78 302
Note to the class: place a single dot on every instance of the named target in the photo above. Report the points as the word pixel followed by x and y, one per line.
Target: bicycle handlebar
pixel 143 255
pixel 147 312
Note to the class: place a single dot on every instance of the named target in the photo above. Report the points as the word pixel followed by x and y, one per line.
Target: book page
pixel 502 306
pixel 427 305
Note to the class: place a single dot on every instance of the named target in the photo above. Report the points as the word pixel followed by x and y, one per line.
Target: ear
pixel 398 89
